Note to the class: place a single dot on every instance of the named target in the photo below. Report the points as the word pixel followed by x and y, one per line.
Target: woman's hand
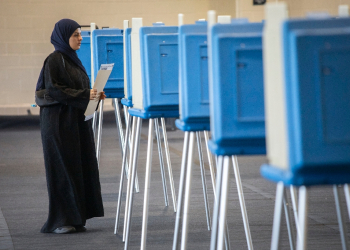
pixel 102 95
pixel 93 94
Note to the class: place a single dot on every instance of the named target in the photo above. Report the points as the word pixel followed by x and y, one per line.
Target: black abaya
pixel 69 149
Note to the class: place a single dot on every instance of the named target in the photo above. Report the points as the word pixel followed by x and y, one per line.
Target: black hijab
pixel 60 39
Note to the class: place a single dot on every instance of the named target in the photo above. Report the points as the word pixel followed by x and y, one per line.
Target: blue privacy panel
pixel 127 101
pixel 84 53
pixel 108 48
pixel 317 52
pixel 159 66
pixel 194 87
pixel 237 96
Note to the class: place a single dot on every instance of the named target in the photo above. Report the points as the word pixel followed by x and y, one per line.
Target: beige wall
pixel 26 26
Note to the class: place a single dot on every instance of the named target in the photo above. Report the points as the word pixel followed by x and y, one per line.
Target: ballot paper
pixel 100 82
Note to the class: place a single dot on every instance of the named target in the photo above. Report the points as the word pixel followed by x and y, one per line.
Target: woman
pixel 69 149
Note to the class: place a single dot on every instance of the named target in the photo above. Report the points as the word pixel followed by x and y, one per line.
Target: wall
pixel 26 26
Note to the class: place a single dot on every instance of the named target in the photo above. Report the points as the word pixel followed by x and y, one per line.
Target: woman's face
pixel 75 39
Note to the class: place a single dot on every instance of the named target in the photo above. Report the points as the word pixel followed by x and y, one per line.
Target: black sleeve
pixel 60 85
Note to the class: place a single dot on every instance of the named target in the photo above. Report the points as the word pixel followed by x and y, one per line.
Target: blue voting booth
pixel 160 72
pixel 84 53
pixel 127 100
pixel 237 95
pixel 155 95
pixel 317 88
pixel 108 48
pixel 194 98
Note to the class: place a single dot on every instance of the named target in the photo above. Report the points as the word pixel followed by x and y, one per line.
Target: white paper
pixel 100 82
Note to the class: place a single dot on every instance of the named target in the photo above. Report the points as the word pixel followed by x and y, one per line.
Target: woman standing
pixel 69 149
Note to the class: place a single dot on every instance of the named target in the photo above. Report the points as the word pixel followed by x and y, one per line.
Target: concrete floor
pixel 24 200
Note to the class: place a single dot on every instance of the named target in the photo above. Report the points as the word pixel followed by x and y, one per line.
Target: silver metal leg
pixel 288 221
pixel 127 132
pixel 121 138
pixel 156 126
pixel 210 160
pixel 215 222
pixel 181 189
pixel 204 182
pixel 147 184
pixel 133 175
pixel 99 133
pixel 119 125
pixel 94 124
pixel 242 203
pixel 167 153
pixel 126 116
pixel 347 197
pixel 223 204
pixel 294 198
pixel 187 192
pixel 129 189
pixel 340 216
pixel 276 229
pixel 303 210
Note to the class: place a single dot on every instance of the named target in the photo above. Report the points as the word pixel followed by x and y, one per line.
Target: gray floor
pixel 24 201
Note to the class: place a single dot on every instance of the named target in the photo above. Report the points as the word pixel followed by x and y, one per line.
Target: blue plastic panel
pixel 159 66
pixel 317 54
pixel 194 87
pixel 236 95
pixel 84 53
pixel 108 48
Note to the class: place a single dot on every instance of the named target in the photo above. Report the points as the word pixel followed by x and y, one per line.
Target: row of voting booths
pixel 279 87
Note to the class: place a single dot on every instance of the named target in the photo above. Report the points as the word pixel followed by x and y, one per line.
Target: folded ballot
pixel 99 84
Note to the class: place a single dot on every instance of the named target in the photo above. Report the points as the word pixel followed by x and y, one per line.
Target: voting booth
pixel 108 48
pixel 84 53
pixel 237 124
pixel 194 108
pixel 307 103
pixel 154 59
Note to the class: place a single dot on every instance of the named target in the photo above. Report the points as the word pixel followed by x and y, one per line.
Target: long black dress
pixel 69 149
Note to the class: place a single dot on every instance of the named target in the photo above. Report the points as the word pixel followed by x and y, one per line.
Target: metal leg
pixel 147 184
pixel 181 188
pixel 156 126
pixel 210 160
pixel 347 197
pixel 294 198
pixel 129 189
pixel 223 203
pixel 126 114
pixel 94 124
pixel 121 138
pixel 119 125
pixel 288 221
pixel 303 208
pixel 187 193
pixel 122 176
pixel 133 175
pixel 204 183
pixel 276 229
pixel 99 133
pixel 214 227
pixel 242 203
pixel 167 153
pixel 340 216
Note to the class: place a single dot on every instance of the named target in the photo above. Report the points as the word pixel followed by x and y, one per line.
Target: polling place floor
pixel 24 200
